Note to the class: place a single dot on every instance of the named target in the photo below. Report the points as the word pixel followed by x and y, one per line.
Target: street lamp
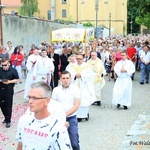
pixel 96 10
pixel 77 10
pixel 109 24
pixel 131 27
pixel 1 28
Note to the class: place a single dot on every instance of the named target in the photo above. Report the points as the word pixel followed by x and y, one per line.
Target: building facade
pixel 111 14
pixel 11 6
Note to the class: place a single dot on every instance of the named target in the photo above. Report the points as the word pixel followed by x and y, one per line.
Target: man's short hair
pixel 80 54
pixel 145 45
pixel 4 60
pixel 44 86
pixel 36 47
pixel 44 49
pixel 124 52
pixel 64 46
pixel 65 72
pixel 94 52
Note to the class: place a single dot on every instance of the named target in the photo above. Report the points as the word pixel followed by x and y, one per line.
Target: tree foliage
pixel 29 7
pixel 140 9
pixel 144 20
pixel 87 24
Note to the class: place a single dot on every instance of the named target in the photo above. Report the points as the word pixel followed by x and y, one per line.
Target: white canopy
pixel 72 34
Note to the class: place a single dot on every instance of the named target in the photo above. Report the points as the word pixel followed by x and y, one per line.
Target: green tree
pixel 87 24
pixel 140 10
pixel 29 8
pixel 145 20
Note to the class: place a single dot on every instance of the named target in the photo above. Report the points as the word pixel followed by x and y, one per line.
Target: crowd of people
pixel 75 73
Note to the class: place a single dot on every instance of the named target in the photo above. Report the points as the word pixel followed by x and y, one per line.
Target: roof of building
pixel 11 3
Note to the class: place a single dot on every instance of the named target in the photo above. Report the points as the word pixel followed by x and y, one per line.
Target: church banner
pixel 68 34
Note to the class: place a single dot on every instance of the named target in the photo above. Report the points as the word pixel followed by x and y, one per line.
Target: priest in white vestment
pixel 99 71
pixel 123 86
pixel 43 68
pixel 31 61
pixel 82 76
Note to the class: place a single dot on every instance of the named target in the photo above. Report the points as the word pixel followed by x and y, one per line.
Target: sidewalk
pixel 19 87
pixel 108 128
pixel 7 135
pixel 138 137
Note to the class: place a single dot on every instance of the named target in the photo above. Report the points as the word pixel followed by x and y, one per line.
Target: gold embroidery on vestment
pixel 79 69
pixel 97 69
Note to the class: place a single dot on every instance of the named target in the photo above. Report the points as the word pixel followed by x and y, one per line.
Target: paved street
pixel 107 129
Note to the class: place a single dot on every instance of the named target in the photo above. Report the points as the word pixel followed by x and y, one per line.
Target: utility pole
pixel 53 10
pixel 96 10
pixel 109 24
pixel 1 28
pixel 77 9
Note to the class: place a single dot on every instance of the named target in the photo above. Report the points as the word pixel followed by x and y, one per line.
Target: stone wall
pixel 25 31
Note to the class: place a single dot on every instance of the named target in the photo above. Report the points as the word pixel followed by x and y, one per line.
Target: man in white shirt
pixel 145 64
pixel 43 68
pixel 41 130
pixel 10 48
pixel 138 48
pixel 69 96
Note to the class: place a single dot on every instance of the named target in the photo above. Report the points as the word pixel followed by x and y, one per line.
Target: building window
pixel 49 15
pixel 64 13
pixel 64 1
